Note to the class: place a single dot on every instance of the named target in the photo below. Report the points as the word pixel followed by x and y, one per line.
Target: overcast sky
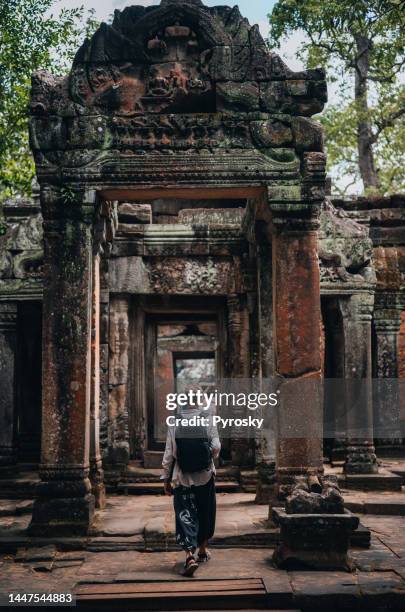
pixel 255 10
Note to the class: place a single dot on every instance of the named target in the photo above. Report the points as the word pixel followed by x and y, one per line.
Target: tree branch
pixel 387 122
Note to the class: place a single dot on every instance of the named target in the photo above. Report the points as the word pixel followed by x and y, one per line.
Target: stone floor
pixel 241 548
pixel 147 521
pixel 377 584
pixel 133 540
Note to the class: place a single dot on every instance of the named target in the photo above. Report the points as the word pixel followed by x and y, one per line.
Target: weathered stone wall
pixel 384 218
pixel 206 258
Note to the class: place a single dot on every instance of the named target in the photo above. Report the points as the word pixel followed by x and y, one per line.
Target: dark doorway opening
pixel 29 382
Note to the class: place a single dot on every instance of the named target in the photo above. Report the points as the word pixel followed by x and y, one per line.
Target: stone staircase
pixel 21 485
pixel 146 481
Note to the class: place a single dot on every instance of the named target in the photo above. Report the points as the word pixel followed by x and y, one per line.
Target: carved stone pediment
pixel 170 58
pixel 178 92
pixel 168 71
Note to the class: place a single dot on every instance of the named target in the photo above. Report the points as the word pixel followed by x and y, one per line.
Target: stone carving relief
pixel 192 276
pixel 176 275
pixel 21 249
pixel 164 72
pixel 345 249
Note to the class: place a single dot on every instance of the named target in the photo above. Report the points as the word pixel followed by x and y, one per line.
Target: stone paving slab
pixel 375 502
pixel 14 507
pixel 148 522
pixel 137 523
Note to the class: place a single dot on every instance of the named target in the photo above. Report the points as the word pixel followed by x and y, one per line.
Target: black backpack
pixel 193 449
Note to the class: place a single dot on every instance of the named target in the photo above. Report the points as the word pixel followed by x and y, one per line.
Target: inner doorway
pixel 180 351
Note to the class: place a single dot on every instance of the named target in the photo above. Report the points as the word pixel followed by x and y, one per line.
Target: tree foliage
pixel 30 39
pixel 361 43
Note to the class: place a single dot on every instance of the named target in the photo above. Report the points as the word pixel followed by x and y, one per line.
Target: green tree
pixel 361 43
pixel 30 39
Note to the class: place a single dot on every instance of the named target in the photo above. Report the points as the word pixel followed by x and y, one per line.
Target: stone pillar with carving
pixel 119 380
pixel 8 347
pixel 96 469
pixel 297 343
pixel 266 464
pixel 387 325
pixel 104 355
pixel 238 366
pixel 64 503
pixel 357 311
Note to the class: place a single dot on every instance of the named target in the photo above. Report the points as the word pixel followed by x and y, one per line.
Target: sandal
pixel 204 557
pixel 190 567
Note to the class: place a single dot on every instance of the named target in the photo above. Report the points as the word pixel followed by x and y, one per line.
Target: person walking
pixel 189 475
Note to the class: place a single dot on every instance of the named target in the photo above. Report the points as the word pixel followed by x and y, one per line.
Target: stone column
pixel 118 377
pixel 357 315
pixel 242 451
pixel 104 356
pixel 96 469
pixel 387 325
pixel 8 347
pixel 267 461
pixel 297 344
pixel 64 503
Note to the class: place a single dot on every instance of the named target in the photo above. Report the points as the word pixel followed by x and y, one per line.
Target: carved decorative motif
pixel 21 248
pixel 345 249
pixel 191 276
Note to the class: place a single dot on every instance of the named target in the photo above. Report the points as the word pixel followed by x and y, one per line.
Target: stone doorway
pixel 28 382
pixel 131 130
pixel 181 351
pixel 185 343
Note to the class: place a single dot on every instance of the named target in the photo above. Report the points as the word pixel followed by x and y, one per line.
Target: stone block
pixel 274 97
pixel 62 516
pixel 238 96
pixel 271 133
pixel 382 589
pixel 308 134
pixel 383 481
pixel 316 541
pixel 265 493
pixel 129 212
pixel 320 592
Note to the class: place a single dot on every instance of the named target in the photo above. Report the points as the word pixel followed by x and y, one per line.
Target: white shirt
pixel 187 479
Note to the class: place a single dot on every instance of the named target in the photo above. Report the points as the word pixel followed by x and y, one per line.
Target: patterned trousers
pixel 195 510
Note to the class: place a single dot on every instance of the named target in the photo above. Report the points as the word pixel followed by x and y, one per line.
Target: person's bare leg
pixel 203 552
pixel 203 547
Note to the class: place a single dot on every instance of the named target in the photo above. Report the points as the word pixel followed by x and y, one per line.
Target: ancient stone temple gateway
pixel 182 220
